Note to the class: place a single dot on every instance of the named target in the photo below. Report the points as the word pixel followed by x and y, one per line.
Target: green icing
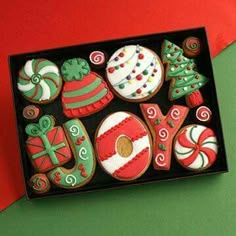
pixel 181 70
pixel 170 123
pixel 88 101
pixel 157 122
pixel 87 89
pixel 162 147
pixel 84 158
pixel 75 69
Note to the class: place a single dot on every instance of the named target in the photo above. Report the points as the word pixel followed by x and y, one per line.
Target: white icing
pixel 172 68
pixel 28 68
pixel 175 114
pixel 71 179
pixel 151 111
pixel 182 65
pixel 119 76
pixel 74 129
pixel 186 72
pixel 185 88
pixel 46 93
pixel 116 161
pixel 49 69
pixel 111 121
pixel 83 152
pixel 201 160
pixel 163 134
pixel 185 79
pixel 159 159
pixel 26 87
pixel 168 55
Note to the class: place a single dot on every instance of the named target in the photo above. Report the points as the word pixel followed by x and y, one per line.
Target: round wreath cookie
pixel 135 73
pixel 84 91
pixel 123 146
pixel 31 112
pixel 203 114
pixel 191 46
pixel 39 183
pixel 85 162
pixel 195 147
pixel 39 81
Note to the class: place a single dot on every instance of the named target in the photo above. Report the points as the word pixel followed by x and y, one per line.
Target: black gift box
pixel 101 180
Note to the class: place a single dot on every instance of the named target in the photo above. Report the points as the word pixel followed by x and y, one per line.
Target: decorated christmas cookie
pixel 84 92
pixel 39 81
pixel 163 129
pixel 123 146
pixel 135 73
pixel 39 183
pixel 97 58
pixel 203 114
pixel 195 147
pixel 46 145
pixel 191 46
pixel 31 112
pixel 85 162
pixel 185 80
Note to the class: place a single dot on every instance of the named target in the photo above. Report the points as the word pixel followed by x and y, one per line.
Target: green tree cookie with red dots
pixel 185 80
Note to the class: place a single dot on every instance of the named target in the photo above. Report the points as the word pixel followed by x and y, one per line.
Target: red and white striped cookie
pixel 123 146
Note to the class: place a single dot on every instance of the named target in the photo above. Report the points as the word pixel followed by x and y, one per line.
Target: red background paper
pixel 36 25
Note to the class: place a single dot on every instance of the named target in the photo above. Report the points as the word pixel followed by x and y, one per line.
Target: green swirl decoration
pixel 75 69
pixel 44 125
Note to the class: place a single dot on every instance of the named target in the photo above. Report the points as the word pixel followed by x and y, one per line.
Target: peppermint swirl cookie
pixel 39 81
pixel 191 46
pixel 135 73
pixel 39 183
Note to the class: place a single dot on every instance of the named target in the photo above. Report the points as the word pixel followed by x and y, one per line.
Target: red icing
pixel 163 124
pixel 83 170
pixel 140 56
pixel 122 65
pixel 139 91
pixel 35 145
pixel 185 142
pixel 80 140
pixel 111 70
pixel 121 54
pixel 108 139
pixel 85 96
pixel 194 99
pixel 91 108
pixel 139 77
pixel 134 167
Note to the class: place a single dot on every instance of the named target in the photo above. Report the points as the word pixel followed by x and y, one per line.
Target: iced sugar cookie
pixel 39 81
pixel 123 146
pixel 84 91
pixel 46 145
pixel 191 46
pixel 135 73
pixel 39 183
pixel 195 147
pixel 85 162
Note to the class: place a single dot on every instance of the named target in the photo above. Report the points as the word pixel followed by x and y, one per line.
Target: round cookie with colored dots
pixel 39 81
pixel 135 73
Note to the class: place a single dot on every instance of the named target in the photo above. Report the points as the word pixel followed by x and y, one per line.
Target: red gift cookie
pixel 46 145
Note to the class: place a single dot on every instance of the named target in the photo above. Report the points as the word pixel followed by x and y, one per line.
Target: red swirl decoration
pixel 97 57
pixel 40 183
pixel 192 45
pixel 31 112
pixel 203 114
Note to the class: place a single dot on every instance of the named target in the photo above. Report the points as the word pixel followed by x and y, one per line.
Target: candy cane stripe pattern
pixel 163 129
pixel 135 73
pixel 123 146
pixel 83 152
pixel 39 81
pixel 195 147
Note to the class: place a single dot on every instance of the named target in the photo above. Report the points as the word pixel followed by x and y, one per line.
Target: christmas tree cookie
pixel 135 73
pixel 185 80
pixel 84 91
pixel 39 81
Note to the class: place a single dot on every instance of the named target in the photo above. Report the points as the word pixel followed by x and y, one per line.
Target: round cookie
pixel 203 114
pixel 39 183
pixel 39 81
pixel 195 147
pixel 97 58
pixel 31 112
pixel 83 152
pixel 84 92
pixel 191 46
pixel 135 73
pixel 123 146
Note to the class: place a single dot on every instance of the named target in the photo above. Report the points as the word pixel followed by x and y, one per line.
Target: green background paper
pixel 196 206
